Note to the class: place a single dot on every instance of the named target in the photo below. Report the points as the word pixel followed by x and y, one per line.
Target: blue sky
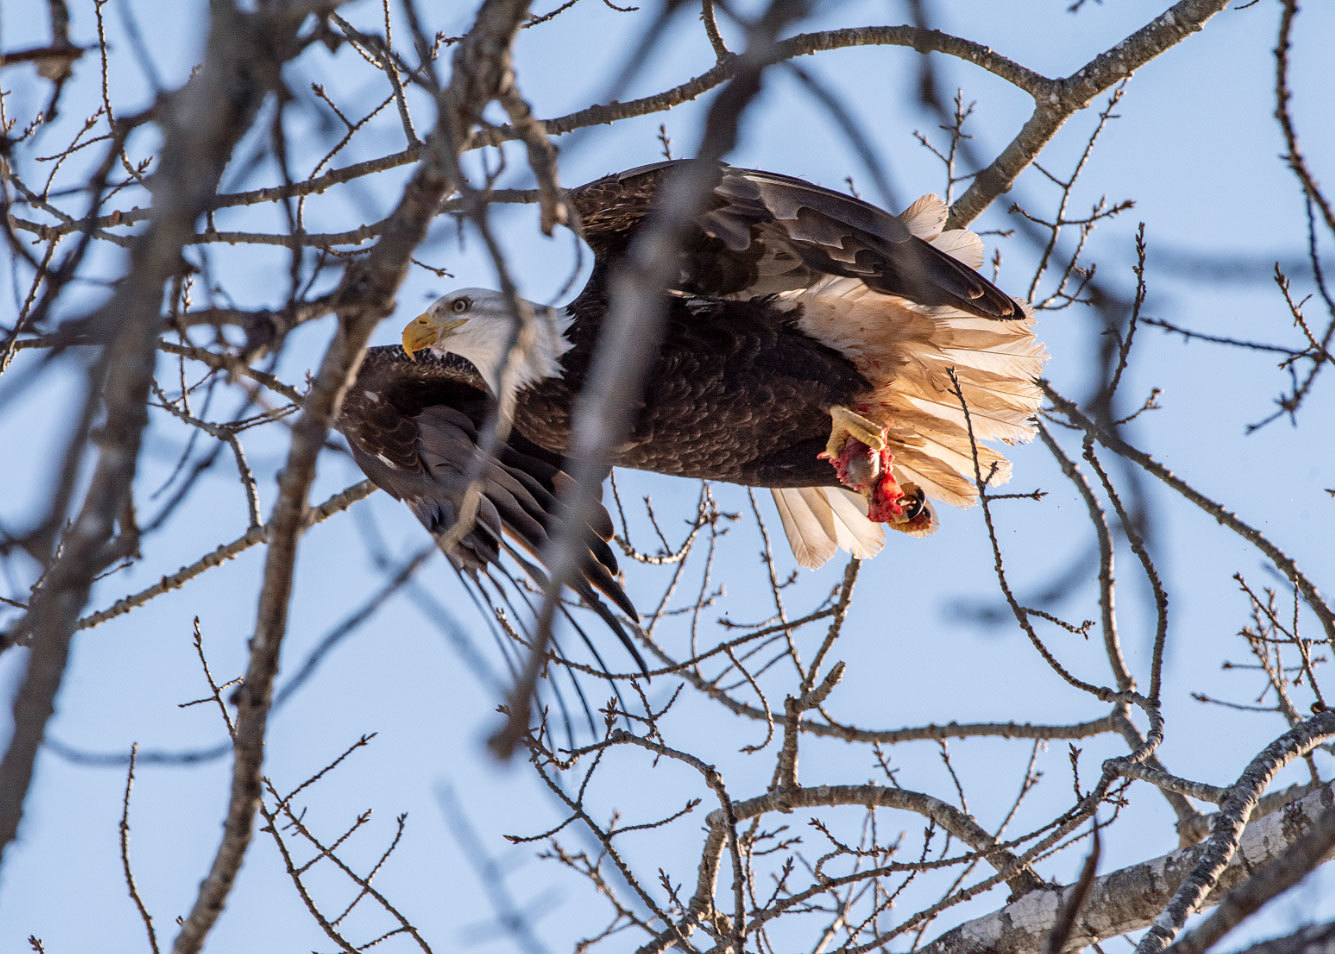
pixel 1194 145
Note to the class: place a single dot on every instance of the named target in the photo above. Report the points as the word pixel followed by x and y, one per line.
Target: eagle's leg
pixel 845 423
pixel 855 449
pixel 861 458
pixel 858 452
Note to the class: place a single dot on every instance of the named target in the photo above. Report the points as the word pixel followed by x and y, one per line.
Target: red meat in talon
pixel 857 465
pixel 884 505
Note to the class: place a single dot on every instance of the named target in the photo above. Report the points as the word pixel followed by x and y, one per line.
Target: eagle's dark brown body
pixel 734 394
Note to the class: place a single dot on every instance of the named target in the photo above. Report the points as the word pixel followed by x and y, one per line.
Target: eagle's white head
pixel 477 324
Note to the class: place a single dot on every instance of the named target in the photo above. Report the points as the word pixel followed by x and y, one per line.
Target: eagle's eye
pixel 460 305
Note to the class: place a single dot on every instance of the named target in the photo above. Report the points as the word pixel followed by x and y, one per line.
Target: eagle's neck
pixel 536 354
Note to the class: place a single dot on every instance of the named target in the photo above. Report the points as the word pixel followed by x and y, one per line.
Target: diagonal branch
pixel 1129 899
pixel 1066 97
pixel 1222 846
pixel 203 123
pixel 366 296
pixel 628 339
pixel 1286 564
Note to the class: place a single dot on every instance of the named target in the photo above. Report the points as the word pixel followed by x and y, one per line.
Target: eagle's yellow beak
pixel 423 332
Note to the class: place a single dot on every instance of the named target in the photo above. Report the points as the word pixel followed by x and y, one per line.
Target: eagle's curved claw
pixel 910 512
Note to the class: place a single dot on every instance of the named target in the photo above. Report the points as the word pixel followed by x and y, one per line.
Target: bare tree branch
pixel 1129 899
pixel 204 123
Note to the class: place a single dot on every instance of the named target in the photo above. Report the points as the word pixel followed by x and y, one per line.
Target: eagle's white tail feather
pixel 853 531
pixel 925 218
pixel 961 244
pixel 819 520
pixel 812 543
pixel 905 351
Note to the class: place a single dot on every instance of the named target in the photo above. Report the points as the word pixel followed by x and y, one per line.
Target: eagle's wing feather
pixel 762 233
pixel 413 428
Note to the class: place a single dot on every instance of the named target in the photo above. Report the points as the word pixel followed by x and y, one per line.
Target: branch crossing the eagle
pixel 806 351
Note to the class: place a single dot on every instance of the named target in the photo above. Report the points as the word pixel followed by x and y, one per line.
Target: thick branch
pixel 1130 898
pixel 367 295
pixel 1271 881
pixel 204 122
pixel 1218 850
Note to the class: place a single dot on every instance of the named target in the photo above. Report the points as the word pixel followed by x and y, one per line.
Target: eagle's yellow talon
pixel 846 423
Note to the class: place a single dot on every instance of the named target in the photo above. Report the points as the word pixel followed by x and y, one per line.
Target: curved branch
pixel 923 41
pixel 1019 876
pixel 1057 101
pixel 727 67
pixel 1065 97
pixel 1282 560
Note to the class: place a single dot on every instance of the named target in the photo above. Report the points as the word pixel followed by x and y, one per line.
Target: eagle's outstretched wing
pixel 413 427
pixel 762 233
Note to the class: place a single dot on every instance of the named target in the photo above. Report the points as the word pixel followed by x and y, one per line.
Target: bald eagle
pixel 806 350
